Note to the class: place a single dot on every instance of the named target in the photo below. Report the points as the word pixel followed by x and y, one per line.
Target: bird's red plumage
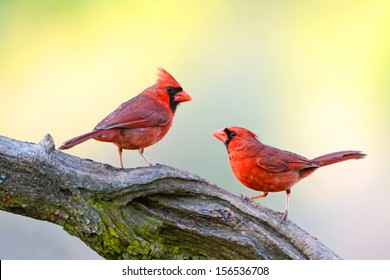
pixel 268 169
pixel 141 121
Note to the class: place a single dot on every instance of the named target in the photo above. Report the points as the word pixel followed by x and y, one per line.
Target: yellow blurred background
pixel 311 77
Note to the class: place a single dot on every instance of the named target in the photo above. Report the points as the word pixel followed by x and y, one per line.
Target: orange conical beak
pixel 182 96
pixel 221 135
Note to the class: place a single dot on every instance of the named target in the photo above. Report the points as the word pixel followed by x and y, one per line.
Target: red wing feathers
pixel 275 160
pixel 141 111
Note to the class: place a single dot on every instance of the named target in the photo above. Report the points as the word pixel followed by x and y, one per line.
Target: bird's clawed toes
pixel 283 215
pixel 245 198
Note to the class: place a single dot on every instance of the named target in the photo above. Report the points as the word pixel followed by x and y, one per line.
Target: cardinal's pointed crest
pixel 165 79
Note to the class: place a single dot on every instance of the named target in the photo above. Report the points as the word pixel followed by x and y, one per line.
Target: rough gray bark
pixel 144 213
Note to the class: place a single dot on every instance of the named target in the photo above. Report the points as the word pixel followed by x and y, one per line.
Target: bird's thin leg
pixel 141 152
pixel 120 155
pixel 285 213
pixel 264 194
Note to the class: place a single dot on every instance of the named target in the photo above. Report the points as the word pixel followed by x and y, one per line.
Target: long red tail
pixel 337 157
pixel 79 139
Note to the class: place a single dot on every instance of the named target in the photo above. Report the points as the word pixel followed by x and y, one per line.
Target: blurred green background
pixel 311 77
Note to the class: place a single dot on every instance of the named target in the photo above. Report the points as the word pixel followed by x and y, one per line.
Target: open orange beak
pixel 221 135
pixel 182 96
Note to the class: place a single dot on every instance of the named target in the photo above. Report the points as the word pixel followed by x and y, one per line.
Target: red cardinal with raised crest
pixel 141 121
pixel 267 169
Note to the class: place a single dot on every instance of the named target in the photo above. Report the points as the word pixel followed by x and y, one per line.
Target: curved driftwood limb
pixel 153 212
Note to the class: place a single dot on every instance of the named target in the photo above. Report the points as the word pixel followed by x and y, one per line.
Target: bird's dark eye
pixel 169 89
pixel 173 90
pixel 229 133
pixel 232 134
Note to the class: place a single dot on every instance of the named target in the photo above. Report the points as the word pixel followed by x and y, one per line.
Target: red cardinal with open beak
pixel 268 169
pixel 141 121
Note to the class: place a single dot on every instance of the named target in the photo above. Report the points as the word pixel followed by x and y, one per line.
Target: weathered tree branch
pixel 144 213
